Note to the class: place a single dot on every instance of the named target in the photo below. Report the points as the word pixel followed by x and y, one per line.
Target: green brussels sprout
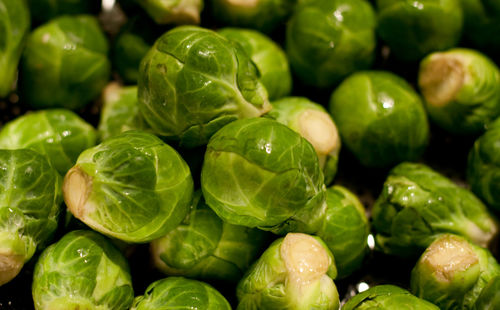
pixel 120 111
pixel 345 230
pixel 59 134
pixel 418 204
pixel 30 195
pixel 205 247
pixel 482 24
pixel 489 299
pixel 83 270
pixel 452 272
pixel 131 187
pixel 131 45
pixel 263 15
pixel 381 119
pixel 180 293
pixel 295 272
pixel 483 168
pixel 193 81
pixel 14 28
pixel 173 11
pixel 65 63
pixel 387 297
pixel 259 173
pixel 412 29
pixel 313 123
pixel 461 88
pixel 45 10
pixel 326 40
pixel 269 58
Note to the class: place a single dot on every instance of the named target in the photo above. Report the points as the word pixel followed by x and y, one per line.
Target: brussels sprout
pixel 120 111
pixel 483 168
pixel 132 187
pixel 295 272
pixel 14 28
pixel 489 299
pixel 313 123
pixel 461 88
pixel 44 10
pixel 263 15
pixel 387 297
pixel 326 40
pixel 131 45
pixel 59 134
pixel 345 230
pixel 194 81
pixel 259 173
pixel 173 11
pixel 65 63
pixel 381 119
pixel 269 58
pixel 30 195
pixel 412 29
pixel 482 24
pixel 418 204
pixel 179 293
pixel 205 247
pixel 452 272
pixel 83 270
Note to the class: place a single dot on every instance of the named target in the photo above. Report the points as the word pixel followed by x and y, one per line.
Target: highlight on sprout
pixel 194 81
pixel 461 88
pixel 313 123
pixel 417 205
pixel 381 119
pixel 59 134
pixel 207 248
pixel 180 293
pixel 30 195
pixel 295 272
pixel 452 273
pixel 131 187
pixel 259 173
pixel 83 270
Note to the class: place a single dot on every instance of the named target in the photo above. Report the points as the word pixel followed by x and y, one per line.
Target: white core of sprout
pixel 441 79
pixel 306 260
pixel 243 3
pixel 479 236
pixel 107 5
pixel 10 266
pixel 448 256
pixel 76 190
pixel 112 92
pixel 318 128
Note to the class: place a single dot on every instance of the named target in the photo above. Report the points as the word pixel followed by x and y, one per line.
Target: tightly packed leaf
pixel 260 173
pixel 179 293
pixel 417 205
pixel 205 247
pixel 65 63
pixel 14 28
pixel 83 270
pixel 296 272
pixel 313 123
pixel 461 88
pixel 381 119
pixel 387 297
pixel 30 195
pixel 482 24
pixel 453 272
pixel 483 168
pixel 59 134
pixel 412 29
pixel 194 81
pixel 269 58
pixel 132 187
pixel 326 40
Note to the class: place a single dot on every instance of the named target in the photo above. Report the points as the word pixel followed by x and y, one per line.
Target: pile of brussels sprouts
pixel 161 154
